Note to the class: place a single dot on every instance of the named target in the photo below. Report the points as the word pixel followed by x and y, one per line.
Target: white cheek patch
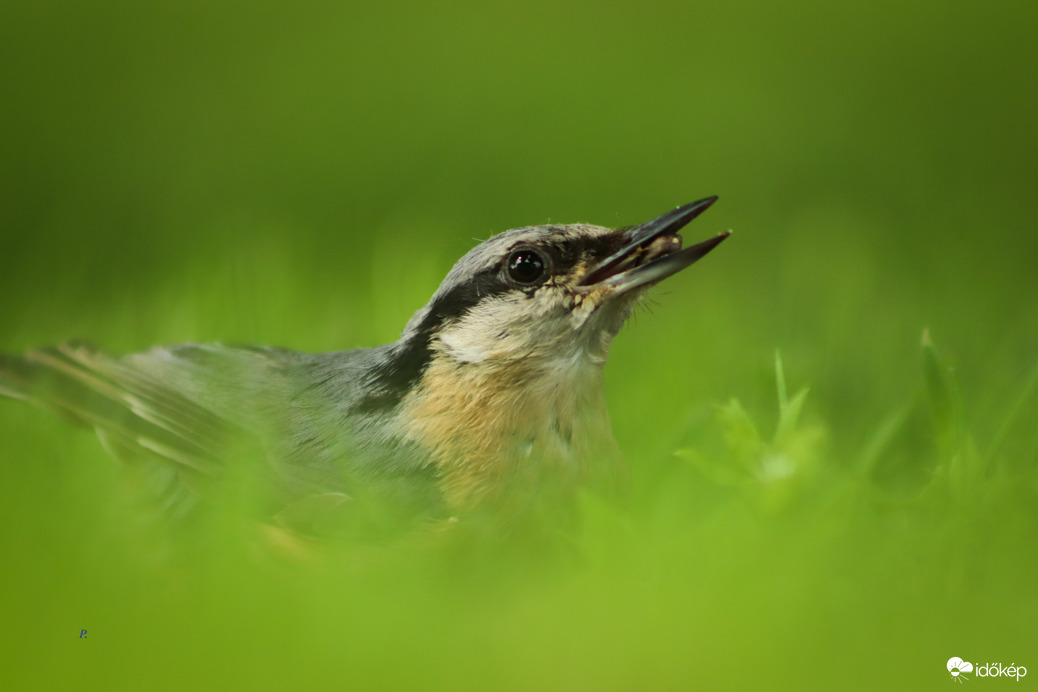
pixel 483 332
pixel 466 342
pixel 552 326
pixel 461 349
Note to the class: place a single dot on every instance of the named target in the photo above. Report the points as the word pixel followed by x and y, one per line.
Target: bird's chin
pixel 599 315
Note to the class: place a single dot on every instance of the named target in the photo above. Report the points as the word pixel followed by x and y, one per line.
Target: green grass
pixel 831 422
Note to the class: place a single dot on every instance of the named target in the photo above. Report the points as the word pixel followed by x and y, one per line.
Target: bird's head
pixel 553 293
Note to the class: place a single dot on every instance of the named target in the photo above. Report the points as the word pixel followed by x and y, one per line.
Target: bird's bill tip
pixel 653 245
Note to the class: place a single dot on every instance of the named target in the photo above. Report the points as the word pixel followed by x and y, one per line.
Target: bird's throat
pixel 496 429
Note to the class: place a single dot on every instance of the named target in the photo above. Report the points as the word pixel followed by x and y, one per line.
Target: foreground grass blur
pixel 742 557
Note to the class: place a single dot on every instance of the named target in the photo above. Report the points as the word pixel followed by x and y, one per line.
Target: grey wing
pixel 184 413
pixel 159 406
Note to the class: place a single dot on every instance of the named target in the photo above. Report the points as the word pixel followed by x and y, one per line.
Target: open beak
pixel 653 251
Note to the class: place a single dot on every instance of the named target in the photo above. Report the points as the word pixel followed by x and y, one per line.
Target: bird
pixel 490 402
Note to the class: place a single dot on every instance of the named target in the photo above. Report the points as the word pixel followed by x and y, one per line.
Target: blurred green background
pixel 303 175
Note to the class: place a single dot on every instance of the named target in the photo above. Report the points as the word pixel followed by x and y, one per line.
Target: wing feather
pixel 92 388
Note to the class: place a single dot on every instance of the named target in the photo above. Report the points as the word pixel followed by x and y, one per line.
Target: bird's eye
pixel 526 267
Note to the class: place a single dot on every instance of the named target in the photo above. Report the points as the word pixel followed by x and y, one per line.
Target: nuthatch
pixel 492 395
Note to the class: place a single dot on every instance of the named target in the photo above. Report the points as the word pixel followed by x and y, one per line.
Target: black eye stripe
pixel 565 254
pixel 560 257
pixel 408 359
pixel 459 299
